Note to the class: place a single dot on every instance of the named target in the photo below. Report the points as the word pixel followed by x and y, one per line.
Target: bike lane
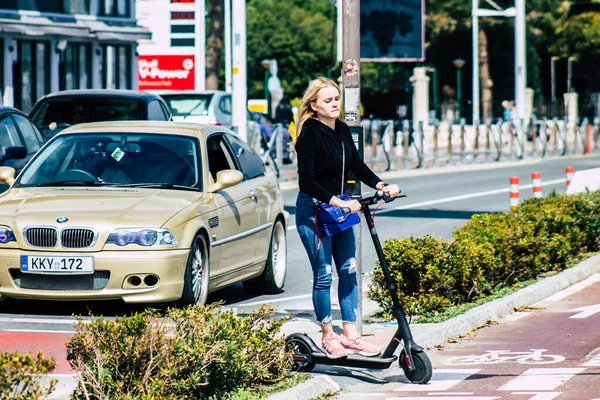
pixel 551 350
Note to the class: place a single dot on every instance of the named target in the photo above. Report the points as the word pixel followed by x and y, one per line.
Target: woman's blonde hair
pixel 310 96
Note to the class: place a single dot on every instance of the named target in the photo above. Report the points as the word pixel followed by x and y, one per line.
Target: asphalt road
pixel 437 202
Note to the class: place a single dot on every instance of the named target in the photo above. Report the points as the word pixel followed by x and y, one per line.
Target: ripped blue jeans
pixel 340 247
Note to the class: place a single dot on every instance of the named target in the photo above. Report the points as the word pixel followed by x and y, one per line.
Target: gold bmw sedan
pixel 144 212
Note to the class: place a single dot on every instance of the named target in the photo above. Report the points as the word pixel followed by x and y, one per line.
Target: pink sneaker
pixel 333 346
pixel 361 346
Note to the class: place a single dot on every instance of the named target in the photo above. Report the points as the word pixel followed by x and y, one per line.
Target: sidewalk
pixel 431 335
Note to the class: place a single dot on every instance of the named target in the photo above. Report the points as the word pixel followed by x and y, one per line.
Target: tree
pixel 298 38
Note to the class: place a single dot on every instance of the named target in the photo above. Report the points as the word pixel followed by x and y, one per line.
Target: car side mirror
pixel 7 175
pixel 227 178
pixel 15 152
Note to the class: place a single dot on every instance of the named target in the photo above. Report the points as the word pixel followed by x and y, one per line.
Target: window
pixel 116 66
pixel 28 132
pixel 114 8
pixel 30 72
pixel 219 156
pixel 75 67
pixel 76 6
pixel 225 105
pixel 250 163
pixel 9 136
pixel 156 112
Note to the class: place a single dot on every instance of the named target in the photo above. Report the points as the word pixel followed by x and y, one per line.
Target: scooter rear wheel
pixel 423 370
pixel 300 356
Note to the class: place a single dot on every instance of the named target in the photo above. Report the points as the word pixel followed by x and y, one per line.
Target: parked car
pixel 141 211
pixel 59 110
pixel 211 107
pixel 19 138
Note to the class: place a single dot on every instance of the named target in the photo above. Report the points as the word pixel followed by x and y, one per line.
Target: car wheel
pixel 272 279
pixel 196 275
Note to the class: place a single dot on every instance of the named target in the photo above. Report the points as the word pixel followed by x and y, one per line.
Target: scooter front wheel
pixel 300 355
pixel 421 374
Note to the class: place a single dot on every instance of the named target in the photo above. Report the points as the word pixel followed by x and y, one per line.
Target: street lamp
pixel 266 64
pixel 459 63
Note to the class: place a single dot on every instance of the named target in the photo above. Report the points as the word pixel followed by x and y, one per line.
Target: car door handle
pixel 252 195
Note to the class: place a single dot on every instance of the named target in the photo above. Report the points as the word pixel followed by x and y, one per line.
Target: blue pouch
pixel 332 220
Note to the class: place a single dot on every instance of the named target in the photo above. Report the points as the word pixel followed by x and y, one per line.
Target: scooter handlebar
pixel 376 198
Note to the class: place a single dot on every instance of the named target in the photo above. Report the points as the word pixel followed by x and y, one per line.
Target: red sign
pixel 180 15
pixel 166 72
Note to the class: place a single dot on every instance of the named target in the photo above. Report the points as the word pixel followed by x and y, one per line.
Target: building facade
pixel 51 45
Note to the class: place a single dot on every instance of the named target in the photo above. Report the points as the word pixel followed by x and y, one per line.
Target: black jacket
pixel 319 151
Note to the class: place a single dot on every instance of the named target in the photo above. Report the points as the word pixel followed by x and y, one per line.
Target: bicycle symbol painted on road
pixel 534 356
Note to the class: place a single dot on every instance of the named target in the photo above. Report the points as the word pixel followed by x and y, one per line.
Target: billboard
pixel 392 30
pixel 166 72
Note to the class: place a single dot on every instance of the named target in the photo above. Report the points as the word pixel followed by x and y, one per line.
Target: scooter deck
pixel 354 360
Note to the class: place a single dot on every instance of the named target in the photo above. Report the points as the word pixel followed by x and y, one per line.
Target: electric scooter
pixel 413 360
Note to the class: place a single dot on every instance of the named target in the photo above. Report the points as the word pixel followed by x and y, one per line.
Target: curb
pixel 312 388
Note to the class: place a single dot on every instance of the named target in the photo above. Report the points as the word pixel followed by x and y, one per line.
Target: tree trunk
pixel 214 45
pixel 484 75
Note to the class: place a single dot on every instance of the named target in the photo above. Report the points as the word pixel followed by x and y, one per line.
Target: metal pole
pixel 351 83
pixel 476 100
pixel 227 17
pixel 238 69
pixel 569 74
pixel 520 60
pixel 459 91
pixel 200 53
pixel 553 79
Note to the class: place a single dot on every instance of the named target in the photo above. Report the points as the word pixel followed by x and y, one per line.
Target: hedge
pixel 201 352
pixel 20 376
pixel 489 252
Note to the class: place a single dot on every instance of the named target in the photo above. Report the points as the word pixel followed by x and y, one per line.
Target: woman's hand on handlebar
pixel 391 190
pixel 352 205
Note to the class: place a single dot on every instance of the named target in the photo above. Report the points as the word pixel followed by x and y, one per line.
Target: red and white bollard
pixel 537 184
pixel 569 171
pixel 514 192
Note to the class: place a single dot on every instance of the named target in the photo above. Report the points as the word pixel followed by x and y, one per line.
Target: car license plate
pixel 57 264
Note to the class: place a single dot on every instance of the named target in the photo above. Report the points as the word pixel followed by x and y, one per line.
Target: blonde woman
pixel 326 154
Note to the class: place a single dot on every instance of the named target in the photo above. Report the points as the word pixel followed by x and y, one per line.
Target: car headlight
pixel 6 235
pixel 142 237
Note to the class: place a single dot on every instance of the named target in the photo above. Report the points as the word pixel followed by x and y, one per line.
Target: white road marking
pixel 34 331
pixel 442 379
pixel 450 394
pixel 445 398
pixel 569 291
pixel 456 198
pixel 40 321
pixel 541 396
pixel 586 311
pixel 541 379
pixel 593 362
pixel 278 300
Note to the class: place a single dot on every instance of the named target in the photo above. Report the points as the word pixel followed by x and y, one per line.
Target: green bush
pixel 20 373
pixel 489 252
pixel 194 353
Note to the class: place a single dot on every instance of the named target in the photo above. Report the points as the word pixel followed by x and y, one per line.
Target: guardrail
pixel 442 143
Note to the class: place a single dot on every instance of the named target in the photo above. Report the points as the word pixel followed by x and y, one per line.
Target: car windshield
pixel 55 115
pixel 122 159
pixel 188 105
